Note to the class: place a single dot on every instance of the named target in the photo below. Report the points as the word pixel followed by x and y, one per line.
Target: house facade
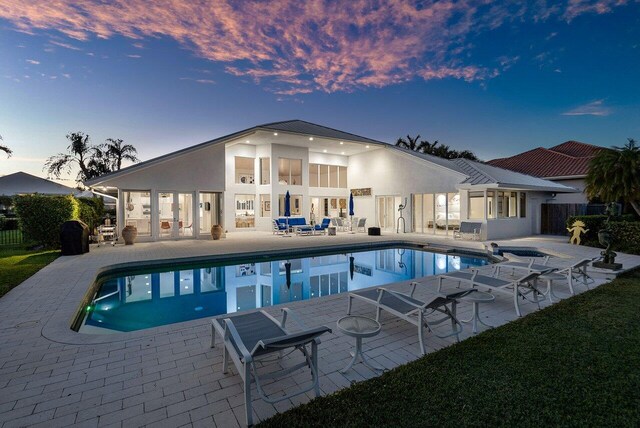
pixel 239 181
pixel 566 163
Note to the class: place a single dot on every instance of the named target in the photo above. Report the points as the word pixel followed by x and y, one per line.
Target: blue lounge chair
pixel 279 228
pixel 323 226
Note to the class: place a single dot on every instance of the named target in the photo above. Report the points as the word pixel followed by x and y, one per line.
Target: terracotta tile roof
pixel 567 159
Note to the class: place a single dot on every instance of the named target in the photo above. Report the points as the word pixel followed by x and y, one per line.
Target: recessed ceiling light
pixel 250 141
pixel 367 147
pixel 324 151
pixel 275 133
pixel 310 138
pixel 342 153
pixel 341 143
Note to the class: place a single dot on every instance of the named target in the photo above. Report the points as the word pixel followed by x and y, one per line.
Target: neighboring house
pixel 567 164
pixel 240 180
pixel 22 183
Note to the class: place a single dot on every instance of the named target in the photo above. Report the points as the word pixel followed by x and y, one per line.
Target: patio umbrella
pixel 287 208
pixel 351 213
pixel 287 274
pixel 352 266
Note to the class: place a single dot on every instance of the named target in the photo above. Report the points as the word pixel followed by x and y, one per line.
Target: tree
pixel 434 149
pixel 117 152
pixel 80 153
pixel 410 143
pixel 614 175
pixel 5 149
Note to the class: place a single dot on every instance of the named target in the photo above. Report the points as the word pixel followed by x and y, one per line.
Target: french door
pixel 175 215
pixel 386 207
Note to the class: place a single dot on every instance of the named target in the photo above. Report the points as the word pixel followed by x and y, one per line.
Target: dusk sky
pixel 497 78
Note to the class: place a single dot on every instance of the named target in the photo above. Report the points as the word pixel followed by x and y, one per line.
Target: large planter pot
pixel 216 232
pixel 129 234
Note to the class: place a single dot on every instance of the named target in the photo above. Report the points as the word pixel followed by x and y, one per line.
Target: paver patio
pixel 169 376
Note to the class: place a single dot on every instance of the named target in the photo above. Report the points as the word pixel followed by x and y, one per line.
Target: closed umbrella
pixel 287 208
pixel 351 213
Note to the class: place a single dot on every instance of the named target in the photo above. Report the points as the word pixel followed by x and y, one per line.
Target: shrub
pixel 41 217
pixel 593 223
pixel 91 211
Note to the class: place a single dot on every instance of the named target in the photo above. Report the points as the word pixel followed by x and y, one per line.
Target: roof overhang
pixel 493 186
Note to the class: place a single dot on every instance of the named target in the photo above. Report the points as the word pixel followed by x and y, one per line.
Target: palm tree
pixel 5 149
pixel 80 152
pixel 614 175
pixel 412 144
pixel 117 152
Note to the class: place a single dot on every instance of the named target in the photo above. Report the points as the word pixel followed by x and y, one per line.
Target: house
pixel 240 180
pixel 567 163
pixel 22 183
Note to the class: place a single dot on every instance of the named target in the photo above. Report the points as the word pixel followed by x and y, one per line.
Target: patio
pixel 168 375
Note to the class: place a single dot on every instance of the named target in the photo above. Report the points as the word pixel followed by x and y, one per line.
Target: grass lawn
pixel 576 363
pixel 17 264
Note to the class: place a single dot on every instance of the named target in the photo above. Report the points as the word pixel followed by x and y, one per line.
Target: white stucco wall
pixel 392 173
pixel 571 198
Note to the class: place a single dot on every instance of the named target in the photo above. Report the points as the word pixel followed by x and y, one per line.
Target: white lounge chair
pixel 362 224
pixel 529 265
pixel 574 274
pixel 521 287
pixel 410 309
pixel 252 335
pixel 468 228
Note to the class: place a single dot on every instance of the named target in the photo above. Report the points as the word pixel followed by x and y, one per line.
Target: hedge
pixel 625 230
pixel 41 217
pixel 91 211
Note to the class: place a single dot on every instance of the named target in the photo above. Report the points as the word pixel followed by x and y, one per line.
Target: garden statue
pixel 606 239
pixel 401 208
pixel 576 229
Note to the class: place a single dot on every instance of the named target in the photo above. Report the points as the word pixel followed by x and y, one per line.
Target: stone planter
pixel 129 234
pixel 216 232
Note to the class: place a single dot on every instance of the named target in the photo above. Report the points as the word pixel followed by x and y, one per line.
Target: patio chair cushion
pixel 390 300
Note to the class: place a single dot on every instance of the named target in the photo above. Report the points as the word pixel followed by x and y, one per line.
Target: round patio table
pixel 477 298
pixel 359 327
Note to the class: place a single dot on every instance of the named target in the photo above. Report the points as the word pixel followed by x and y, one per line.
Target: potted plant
pixel 129 234
pixel 216 232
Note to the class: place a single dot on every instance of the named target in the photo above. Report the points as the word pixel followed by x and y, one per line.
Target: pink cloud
pixel 294 46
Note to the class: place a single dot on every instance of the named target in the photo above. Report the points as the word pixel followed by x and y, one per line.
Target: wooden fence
pixel 11 237
pixel 554 216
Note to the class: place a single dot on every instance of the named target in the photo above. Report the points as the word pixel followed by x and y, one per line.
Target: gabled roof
pixel 569 159
pixel 20 183
pixel 293 126
pixel 479 173
pixel 308 128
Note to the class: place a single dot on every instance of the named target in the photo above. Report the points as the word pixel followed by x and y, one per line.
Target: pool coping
pixel 58 328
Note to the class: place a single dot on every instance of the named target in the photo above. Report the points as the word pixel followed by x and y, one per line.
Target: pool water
pixel 164 295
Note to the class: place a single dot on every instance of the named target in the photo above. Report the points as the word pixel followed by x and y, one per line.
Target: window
pixel 453 207
pixel 208 211
pixel 333 176
pixel 428 212
pixel 513 204
pixel 327 176
pixel 342 172
pixel 137 211
pixel 245 211
pixel 244 170
pixel 523 204
pixel 265 170
pixel 476 205
pixel 313 174
pixel 265 205
pixel 290 171
pixel 296 205
pixel 490 211
pixel 417 213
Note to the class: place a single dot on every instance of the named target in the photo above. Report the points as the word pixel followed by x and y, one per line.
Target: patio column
pixel 486 211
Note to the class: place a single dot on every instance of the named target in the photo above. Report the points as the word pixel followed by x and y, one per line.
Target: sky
pixel 497 78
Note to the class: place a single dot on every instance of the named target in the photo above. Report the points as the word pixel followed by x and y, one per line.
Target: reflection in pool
pixel 163 296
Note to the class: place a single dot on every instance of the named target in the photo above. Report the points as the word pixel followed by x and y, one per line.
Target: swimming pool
pixel 153 296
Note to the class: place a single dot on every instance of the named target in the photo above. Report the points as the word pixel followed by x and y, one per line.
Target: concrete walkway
pixel 169 376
